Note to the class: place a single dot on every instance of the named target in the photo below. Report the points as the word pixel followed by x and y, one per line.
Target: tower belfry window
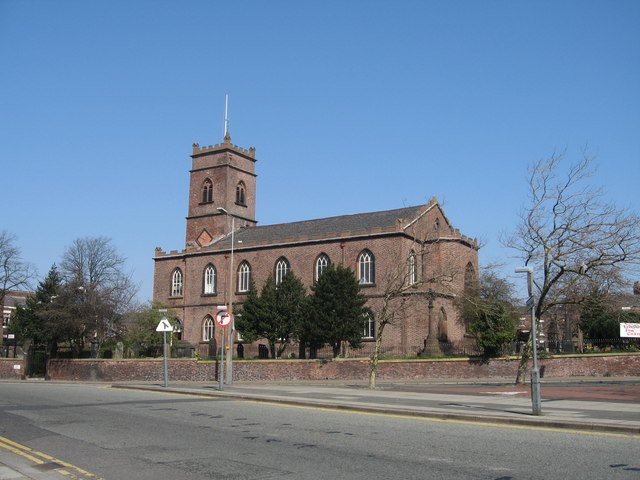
pixel 240 194
pixel 207 191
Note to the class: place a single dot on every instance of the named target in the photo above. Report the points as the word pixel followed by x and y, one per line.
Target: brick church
pixel 223 235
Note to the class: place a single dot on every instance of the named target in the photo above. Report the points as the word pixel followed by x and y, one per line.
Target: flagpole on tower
pixel 226 115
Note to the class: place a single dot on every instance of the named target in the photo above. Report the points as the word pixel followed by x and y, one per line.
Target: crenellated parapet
pixel 225 145
pixel 161 253
pixel 472 242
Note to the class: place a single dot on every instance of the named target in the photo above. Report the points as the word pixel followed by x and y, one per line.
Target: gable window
pixel 366 268
pixel 207 191
pixel 412 274
pixel 282 266
pixel 209 284
pixel 207 328
pixel 244 277
pixel 240 189
pixel 322 262
pixel 176 283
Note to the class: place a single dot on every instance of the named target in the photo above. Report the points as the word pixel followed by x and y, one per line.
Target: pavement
pixel 603 405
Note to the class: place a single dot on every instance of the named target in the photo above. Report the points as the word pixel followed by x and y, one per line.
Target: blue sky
pixel 353 106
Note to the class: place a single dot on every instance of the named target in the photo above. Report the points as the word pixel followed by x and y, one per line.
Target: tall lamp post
pixel 535 373
pixel 230 304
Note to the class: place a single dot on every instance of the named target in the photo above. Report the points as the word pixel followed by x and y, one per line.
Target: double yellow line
pixel 39 458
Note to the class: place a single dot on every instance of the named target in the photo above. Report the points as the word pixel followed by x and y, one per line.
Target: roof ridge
pixel 336 216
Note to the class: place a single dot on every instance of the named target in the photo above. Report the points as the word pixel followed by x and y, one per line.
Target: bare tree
pixel 15 274
pixel 93 267
pixel 570 234
pixel 400 284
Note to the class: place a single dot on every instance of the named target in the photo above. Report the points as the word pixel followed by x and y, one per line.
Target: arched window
pixel 240 193
pixel 177 328
pixel 176 283
pixel 282 267
pixel 207 328
pixel 412 272
pixel 322 262
pixel 244 277
pixel 209 284
pixel 207 191
pixel 470 281
pixel 366 268
pixel 442 326
pixel 369 326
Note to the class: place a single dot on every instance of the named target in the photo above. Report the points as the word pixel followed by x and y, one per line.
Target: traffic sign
pixel 223 318
pixel 531 302
pixel 164 326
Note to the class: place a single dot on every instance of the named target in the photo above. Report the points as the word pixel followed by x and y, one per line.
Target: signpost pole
pixel 221 363
pixel 166 363
pixel 164 326
pixel 223 318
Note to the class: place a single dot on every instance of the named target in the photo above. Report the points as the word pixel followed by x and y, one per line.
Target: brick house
pixel 195 281
pixel 10 301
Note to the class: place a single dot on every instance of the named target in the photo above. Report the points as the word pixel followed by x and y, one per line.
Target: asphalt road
pixel 120 434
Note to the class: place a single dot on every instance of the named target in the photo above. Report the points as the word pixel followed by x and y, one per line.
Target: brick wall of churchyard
pixel 315 370
pixel 9 370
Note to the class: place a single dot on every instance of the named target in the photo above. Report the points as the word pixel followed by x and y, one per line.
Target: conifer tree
pixel 338 307
pixel 275 314
pixel 33 321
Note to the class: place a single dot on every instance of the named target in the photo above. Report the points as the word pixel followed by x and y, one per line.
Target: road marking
pixel 39 458
pixel 426 418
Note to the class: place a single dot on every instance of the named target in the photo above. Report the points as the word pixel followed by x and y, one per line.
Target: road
pixel 122 434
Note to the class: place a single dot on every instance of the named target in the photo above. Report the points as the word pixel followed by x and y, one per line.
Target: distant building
pixel 195 281
pixel 12 299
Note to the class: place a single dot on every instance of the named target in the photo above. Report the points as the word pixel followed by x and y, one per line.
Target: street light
pixel 230 304
pixel 535 373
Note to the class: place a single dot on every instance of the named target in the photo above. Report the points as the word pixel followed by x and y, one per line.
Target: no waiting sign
pixel 223 318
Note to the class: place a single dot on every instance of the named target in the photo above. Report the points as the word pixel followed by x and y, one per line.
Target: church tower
pixel 222 178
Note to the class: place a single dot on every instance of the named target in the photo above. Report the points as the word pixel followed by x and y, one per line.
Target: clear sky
pixel 353 106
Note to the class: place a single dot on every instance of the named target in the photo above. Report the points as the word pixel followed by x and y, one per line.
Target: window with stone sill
pixel 176 283
pixel 208 328
pixel 366 268
pixel 207 191
pixel 244 277
pixel 209 281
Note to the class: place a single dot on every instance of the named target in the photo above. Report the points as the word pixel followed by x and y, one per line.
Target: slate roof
pixel 321 228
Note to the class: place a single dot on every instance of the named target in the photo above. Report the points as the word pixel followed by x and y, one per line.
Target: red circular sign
pixel 223 318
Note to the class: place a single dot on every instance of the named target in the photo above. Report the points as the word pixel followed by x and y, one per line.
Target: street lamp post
pixel 535 373
pixel 230 284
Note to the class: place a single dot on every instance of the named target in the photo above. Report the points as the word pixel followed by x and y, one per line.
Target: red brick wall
pixel 7 370
pixel 291 370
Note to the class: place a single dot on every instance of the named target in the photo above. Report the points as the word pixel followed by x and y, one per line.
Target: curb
pixel 539 422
